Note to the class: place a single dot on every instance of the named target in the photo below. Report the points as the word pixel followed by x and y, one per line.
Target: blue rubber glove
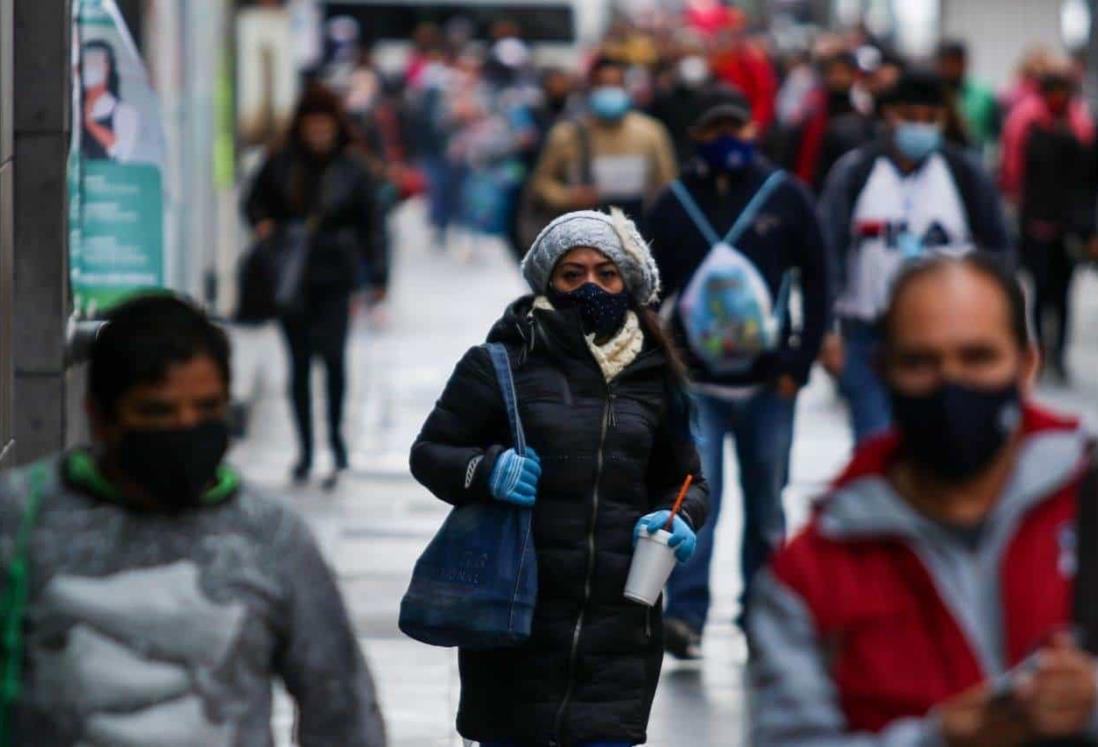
pixel 683 540
pixel 514 479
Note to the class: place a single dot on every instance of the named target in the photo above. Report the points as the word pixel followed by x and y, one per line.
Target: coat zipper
pixel 607 416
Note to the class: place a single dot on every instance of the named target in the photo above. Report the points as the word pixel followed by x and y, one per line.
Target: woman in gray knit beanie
pixel 609 446
pixel 612 234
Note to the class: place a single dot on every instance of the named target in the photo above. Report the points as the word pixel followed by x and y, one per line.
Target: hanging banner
pixel 115 164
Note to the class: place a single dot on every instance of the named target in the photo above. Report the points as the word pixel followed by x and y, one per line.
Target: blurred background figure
pixel 975 102
pixel 432 77
pixel 832 120
pixel 611 155
pixel 1049 174
pixel 315 189
pixel 679 106
pixel 744 64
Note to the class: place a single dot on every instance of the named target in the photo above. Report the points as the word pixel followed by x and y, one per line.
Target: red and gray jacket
pixel 875 614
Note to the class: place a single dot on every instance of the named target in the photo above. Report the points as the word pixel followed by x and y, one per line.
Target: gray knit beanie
pixel 614 235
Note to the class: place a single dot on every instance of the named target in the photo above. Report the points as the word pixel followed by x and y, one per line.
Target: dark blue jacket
pixel 785 236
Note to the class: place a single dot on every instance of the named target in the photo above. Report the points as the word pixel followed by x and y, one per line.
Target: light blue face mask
pixel 610 103
pixel 917 140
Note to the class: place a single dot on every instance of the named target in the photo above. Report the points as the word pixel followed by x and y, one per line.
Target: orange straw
pixel 678 503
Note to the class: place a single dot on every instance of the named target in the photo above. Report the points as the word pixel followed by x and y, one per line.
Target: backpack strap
pixel 690 205
pixel 502 365
pixel 747 217
pixel 14 604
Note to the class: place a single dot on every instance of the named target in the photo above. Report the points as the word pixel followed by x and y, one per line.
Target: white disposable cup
pixel 652 564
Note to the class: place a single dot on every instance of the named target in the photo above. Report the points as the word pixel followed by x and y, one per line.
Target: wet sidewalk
pixel 376 523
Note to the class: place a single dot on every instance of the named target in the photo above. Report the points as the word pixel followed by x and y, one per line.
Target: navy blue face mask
pixel 602 312
pixel 956 431
pixel 727 153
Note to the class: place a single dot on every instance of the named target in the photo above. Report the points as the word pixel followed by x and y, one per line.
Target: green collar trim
pixel 82 472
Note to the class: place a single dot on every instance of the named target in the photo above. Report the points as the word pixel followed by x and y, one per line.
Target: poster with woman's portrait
pixel 115 164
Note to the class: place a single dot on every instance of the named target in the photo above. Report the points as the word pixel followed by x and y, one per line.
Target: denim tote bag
pixel 476 584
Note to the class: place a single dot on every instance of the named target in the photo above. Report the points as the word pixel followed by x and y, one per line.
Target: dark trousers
pixel 1052 269
pixel 319 332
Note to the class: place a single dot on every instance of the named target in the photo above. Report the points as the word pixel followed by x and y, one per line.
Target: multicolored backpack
pixel 727 311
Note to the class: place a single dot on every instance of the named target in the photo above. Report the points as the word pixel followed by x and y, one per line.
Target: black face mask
pixel 603 313
pixel 956 431
pixel 175 466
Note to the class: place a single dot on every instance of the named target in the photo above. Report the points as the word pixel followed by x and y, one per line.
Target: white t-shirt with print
pixel 898 217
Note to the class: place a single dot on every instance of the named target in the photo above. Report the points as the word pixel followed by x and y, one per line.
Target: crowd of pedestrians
pixel 700 219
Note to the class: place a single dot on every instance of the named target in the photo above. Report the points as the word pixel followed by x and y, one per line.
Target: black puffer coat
pixel 341 194
pixel 610 454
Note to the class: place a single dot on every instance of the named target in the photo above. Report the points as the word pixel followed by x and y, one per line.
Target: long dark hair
pixel 319 99
pixel 676 375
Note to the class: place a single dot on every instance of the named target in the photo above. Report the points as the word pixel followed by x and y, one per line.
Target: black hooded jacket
pixel 610 454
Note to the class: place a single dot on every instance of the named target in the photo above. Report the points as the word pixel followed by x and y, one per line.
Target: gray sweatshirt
pixel 156 630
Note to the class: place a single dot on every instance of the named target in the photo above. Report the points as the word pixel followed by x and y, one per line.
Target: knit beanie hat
pixel 614 235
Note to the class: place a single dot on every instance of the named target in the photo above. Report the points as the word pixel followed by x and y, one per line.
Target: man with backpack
pixel 885 204
pixel 149 596
pixel 943 591
pixel 732 239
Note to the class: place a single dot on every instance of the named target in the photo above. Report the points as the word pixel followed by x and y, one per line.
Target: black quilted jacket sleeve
pixel 458 446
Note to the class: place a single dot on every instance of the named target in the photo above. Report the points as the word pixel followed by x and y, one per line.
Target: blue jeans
pixel 583 744
pixel 860 385
pixel 444 185
pixel 762 426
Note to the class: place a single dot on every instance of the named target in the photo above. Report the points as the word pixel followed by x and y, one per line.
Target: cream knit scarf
pixel 615 355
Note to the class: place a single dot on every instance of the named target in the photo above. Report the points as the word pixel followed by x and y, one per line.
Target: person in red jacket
pixel 929 598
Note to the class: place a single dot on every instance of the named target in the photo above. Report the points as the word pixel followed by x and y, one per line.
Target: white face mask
pixel 693 71
pixel 95 72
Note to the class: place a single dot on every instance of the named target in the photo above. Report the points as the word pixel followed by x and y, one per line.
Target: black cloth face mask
pixel 602 313
pixel 175 466
pixel 956 431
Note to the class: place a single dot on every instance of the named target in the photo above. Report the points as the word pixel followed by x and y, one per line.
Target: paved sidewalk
pixel 374 526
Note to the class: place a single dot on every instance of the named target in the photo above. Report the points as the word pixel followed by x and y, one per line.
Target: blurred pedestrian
pixel 152 597
pixel 975 102
pixel 725 185
pixel 835 124
pixel 679 107
pixel 612 155
pixel 1049 170
pixel 907 195
pixel 1027 78
pixel 432 130
pixel 607 423
pixel 930 597
pixel 745 65
pixel 315 185
pixel 489 110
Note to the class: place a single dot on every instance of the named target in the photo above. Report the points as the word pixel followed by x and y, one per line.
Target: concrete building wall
pixel 1000 31
pixel 46 417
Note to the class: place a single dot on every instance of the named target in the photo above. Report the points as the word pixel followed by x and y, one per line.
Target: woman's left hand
pixel 683 539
